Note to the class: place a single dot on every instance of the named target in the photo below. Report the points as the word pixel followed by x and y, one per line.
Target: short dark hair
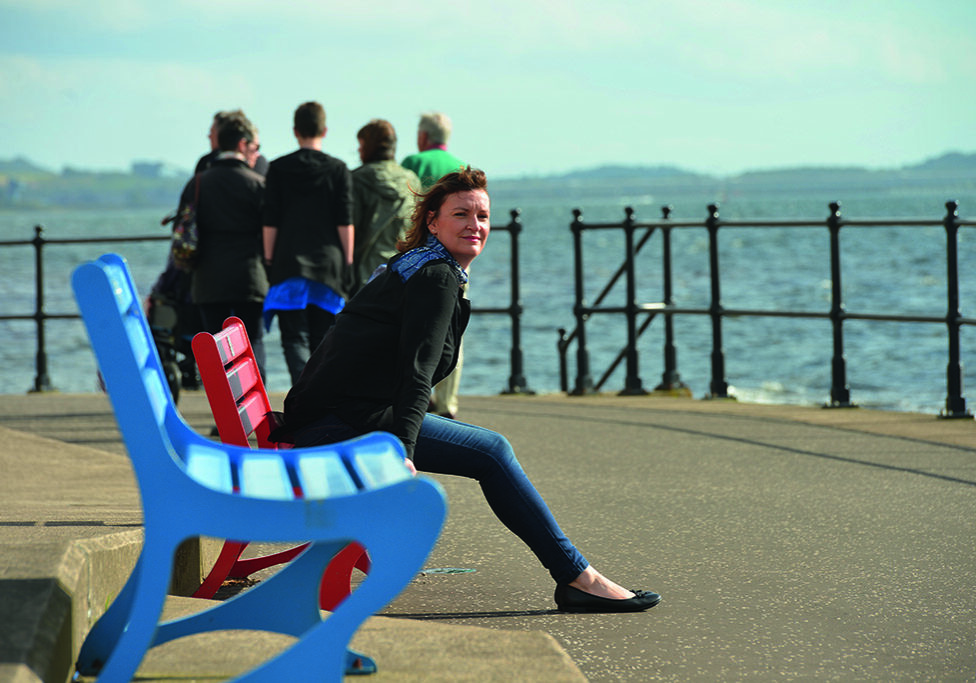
pixel 235 127
pixel 379 140
pixel 464 180
pixel 310 120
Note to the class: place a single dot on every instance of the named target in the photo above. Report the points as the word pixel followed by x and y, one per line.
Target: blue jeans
pixel 449 447
pixel 301 333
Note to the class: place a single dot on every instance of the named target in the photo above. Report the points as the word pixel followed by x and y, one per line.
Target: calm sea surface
pixel 886 270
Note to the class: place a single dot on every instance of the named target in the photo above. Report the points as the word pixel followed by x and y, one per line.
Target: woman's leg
pixel 448 447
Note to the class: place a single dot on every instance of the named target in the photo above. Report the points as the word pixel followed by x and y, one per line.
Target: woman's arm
pixel 429 304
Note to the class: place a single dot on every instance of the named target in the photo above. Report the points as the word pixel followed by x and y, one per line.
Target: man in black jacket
pixel 308 239
pixel 228 277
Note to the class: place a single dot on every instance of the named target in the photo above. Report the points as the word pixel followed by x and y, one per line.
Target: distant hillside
pixel 954 169
pixel 618 172
pixel 23 169
pixel 953 161
pixel 23 184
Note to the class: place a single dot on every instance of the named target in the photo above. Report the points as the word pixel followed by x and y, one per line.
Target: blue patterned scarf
pixel 415 259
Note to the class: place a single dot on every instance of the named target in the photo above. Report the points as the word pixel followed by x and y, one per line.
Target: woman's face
pixel 462 224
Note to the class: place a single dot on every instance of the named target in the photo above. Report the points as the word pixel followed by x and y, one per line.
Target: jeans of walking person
pixel 446 446
pixel 301 332
pixel 250 312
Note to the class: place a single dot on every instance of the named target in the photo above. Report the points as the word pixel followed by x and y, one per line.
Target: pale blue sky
pixel 533 87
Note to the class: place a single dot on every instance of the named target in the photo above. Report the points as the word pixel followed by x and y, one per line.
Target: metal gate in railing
pixel 639 315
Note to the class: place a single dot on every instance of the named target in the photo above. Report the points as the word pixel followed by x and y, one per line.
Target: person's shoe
pixel 570 599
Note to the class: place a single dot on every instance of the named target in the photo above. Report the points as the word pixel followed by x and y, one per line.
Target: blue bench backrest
pixel 155 433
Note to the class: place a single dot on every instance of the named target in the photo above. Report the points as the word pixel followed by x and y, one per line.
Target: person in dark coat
pixel 203 163
pixel 398 336
pixel 228 277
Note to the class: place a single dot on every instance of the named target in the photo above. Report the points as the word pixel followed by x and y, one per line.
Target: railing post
pixel 840 395
pixel 42 382
pixel 670 379
pixel 633 386
pixel 584 382
pixel 718 386
pixel 516 381
pixel 561 345
pixel 955 405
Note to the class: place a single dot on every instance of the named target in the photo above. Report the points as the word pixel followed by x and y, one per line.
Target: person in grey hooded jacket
pixel 383 200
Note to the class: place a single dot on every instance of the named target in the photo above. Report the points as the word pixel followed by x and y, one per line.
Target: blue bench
pixel 354 491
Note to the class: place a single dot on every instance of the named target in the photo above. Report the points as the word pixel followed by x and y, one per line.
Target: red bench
pixel 241 409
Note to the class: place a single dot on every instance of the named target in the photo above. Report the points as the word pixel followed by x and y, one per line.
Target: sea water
pixel 886 270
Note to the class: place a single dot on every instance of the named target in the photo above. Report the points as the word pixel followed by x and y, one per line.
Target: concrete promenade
pixel 789 543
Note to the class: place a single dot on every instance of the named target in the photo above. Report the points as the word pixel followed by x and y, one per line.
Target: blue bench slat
pixel 379 467
pixel 210 467
pixel 324 476
pixel 265 476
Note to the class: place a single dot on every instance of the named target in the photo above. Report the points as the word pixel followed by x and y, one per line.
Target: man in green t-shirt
pixel 433 161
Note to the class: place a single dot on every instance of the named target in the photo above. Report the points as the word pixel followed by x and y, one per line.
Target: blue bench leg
pixel 281 604
pixel 358 664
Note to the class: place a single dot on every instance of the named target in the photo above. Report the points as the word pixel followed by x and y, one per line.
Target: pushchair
pixel 173 321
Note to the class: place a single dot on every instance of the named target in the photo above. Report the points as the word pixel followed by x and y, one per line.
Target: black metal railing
pixel 42 381
pixel 516 379
pixel 955 403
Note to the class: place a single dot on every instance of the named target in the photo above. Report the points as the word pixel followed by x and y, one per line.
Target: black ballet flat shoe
pixel 569 599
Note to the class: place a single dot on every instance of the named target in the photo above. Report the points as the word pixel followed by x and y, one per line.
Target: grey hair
pixel 437 126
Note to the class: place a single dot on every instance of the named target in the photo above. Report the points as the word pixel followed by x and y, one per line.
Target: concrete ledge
pixel 70 533
pixel 62 588
pixel 405 650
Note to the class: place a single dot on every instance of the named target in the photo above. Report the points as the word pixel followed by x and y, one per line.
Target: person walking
pixel 309 239
pixel 383 199
pixel 227 277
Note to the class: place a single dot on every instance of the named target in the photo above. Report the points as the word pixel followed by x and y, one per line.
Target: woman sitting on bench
pixel 396 339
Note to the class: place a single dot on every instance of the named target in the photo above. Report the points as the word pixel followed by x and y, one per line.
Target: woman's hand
pixel 410 466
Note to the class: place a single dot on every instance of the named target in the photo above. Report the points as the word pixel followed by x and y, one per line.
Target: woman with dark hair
pixel 396 338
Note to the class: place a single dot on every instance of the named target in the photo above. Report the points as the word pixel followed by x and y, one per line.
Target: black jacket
pixel 390 344
pixel 228 268
pixel 309 194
